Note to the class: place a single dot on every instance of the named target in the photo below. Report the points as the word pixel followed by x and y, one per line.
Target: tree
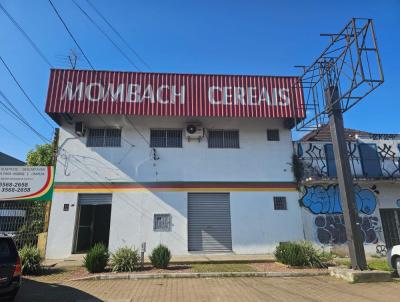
pixel 40 156
pixel 35 211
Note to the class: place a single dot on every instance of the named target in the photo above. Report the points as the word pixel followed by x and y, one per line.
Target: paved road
pixel 223 289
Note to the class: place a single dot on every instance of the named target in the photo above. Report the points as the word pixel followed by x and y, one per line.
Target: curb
pixel 199 275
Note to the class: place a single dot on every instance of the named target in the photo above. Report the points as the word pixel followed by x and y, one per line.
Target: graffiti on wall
pixel 326 200
pixel 331 229
pixel 313 158
pixel 324 203
pixel 390 162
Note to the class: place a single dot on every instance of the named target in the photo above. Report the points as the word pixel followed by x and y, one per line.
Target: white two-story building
pixel 375 165
pixel 200 163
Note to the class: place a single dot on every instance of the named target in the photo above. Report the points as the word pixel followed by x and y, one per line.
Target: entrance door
pixel 391 226
pixel 209 222
pixel 94 215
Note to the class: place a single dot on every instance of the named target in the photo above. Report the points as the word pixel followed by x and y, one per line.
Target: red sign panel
pixel 165 94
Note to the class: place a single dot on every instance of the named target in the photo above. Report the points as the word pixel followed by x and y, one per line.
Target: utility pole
pixel 345 180
pixel 53 163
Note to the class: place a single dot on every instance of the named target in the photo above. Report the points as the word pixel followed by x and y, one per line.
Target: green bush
pixel 96 259
pixel 30 260
pixel 125 259
pixel 298 254
pixel 160 256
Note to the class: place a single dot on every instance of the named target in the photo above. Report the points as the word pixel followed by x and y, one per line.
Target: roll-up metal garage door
pixel 209 222
pixel 94 199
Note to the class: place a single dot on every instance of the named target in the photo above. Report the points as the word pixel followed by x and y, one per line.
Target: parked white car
pixel 393 257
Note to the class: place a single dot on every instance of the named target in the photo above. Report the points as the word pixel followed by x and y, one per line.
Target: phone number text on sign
pixel 14 187
pixel 22 181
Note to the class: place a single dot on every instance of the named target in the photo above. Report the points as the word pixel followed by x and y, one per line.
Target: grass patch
pixel 222 267
pixel 381 265
pixel 374 264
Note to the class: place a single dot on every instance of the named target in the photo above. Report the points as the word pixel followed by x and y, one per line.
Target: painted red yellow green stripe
pixel 91 187
pixel 45 192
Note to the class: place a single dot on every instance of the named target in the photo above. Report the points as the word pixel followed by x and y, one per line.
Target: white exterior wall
pixel 256 160
pixel 384 192
pixel 312 155
pixel 256 227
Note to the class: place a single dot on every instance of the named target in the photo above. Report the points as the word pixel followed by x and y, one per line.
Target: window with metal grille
pixel 280 203
pixel 223 139
pixel 162 223
pixel 273 135
pixel 104 138
pixel 166 138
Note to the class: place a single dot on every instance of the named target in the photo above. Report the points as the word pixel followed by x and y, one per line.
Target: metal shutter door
pixel 94 199
pixel 209 222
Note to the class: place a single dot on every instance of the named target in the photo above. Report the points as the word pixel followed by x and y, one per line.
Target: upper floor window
pixel 370 160
pixel 104 138
pixel 273 135
pixel 166 138
pixel 280 203
pixel 223 139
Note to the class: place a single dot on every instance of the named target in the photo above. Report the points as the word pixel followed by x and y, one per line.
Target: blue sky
pixel 238 37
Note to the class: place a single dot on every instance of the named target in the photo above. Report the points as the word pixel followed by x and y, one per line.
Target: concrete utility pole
pixel 345 180
pixel 53 163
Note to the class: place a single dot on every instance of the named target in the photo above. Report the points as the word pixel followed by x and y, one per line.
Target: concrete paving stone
pixel 321 288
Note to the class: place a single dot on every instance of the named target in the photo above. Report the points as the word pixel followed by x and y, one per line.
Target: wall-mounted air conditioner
pixel 194 131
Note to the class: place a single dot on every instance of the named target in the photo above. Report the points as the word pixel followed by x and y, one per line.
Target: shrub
pixel 160 256
pixel 125 259
pixel 30 260
pixel 297 254
pixel 96 259
pixel 326 257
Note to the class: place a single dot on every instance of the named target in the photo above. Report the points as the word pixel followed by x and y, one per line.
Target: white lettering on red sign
pixel 165 94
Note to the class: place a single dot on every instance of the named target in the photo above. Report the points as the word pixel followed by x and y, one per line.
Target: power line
pixel 118 34
pixel 106 35
pixel 24 92
pixel 70 34
pixel 22 31
pixel 14 113
pixel 13 134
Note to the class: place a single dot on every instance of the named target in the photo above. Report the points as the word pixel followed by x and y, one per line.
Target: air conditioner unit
pixel 194 131
pixel 80 128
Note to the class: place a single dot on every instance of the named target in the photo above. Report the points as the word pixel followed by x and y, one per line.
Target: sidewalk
pixel 77 259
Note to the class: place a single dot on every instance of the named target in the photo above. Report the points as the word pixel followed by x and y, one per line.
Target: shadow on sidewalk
pixel 33 291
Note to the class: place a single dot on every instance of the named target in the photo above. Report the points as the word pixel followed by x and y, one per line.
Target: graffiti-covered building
pixel 375 165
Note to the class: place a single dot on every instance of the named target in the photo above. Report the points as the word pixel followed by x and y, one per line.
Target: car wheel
pixel 397 262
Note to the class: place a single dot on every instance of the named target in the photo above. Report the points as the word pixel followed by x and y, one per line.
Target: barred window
pixel 166 138
pixel 223 139
pixel 280 203
pixel 273 135
pixel 162 223
pixel 104 138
